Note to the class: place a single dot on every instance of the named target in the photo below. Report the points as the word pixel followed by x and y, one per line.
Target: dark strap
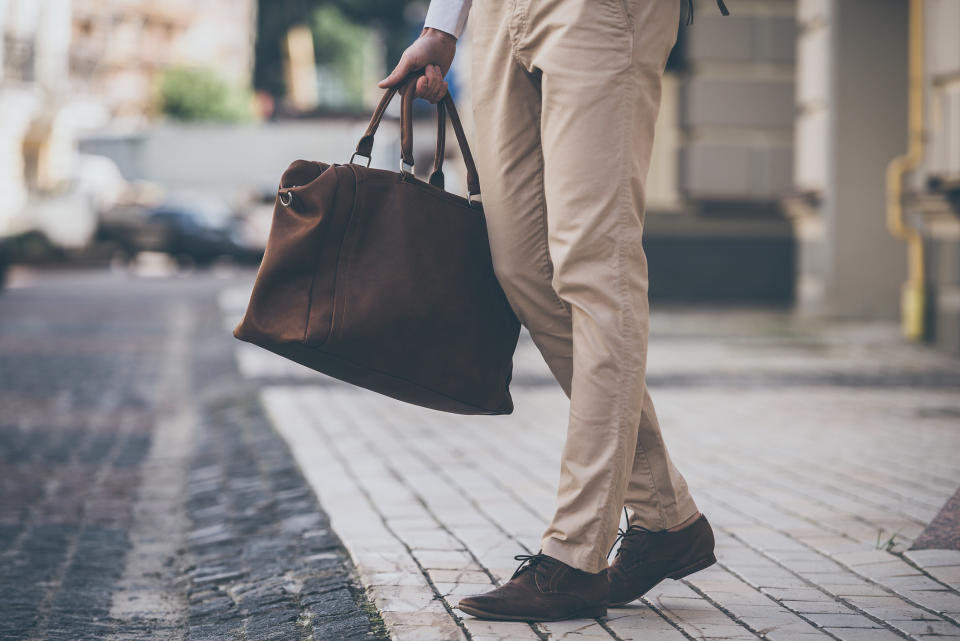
pixel 436 176
pixel 365 146
pixel 408 90
pixel 720 4
pixel 407 93
pixel 473 179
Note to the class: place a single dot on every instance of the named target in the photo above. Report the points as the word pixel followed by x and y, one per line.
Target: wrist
pixel 430 32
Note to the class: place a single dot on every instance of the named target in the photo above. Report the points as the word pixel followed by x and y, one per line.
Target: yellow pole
pixel 912 301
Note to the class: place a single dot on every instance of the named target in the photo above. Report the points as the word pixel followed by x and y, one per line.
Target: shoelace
pixel 631 529
pixel 527 561
pixel 720 3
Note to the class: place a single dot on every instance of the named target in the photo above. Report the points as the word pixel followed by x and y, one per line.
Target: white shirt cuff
pixel 449 16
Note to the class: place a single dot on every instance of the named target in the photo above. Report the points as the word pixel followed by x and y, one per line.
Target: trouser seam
pixel 542 198
pixel 626 318
pixel 520 14
pixel 514 30
pixel 620 417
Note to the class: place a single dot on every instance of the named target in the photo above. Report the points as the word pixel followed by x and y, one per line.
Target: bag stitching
pixel 313 279
pixel 343 260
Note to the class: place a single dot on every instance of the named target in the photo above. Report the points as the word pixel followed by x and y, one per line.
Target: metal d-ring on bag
pixel 384 280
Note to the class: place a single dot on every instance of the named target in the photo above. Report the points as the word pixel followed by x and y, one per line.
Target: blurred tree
pixel 339 46
pixel 200 94
pixel 275 17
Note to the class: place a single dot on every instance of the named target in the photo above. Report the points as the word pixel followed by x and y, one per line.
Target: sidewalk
pixel 819 453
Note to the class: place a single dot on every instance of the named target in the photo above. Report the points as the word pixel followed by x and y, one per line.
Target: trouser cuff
pixel 651 519
pixel 579 556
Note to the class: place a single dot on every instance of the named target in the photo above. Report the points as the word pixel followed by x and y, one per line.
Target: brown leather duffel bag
pixel 385 281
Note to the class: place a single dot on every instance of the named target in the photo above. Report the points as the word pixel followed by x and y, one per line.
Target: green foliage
pixel 275 17
pixel 200 94
pixel 389 17
pixel 340 45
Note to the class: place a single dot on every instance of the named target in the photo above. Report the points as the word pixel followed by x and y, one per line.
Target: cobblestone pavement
pixel 819 452
pixel 143 494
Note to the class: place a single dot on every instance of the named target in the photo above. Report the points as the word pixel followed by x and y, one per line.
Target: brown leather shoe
pixel 542 589
pixel 646 558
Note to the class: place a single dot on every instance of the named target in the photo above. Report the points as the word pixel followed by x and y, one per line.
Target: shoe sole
pixel 586 613
pixel 676 575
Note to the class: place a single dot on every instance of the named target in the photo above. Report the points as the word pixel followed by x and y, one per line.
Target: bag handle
pixel 406 135
pixel 407 87
pixel 365 146
pixel 436 176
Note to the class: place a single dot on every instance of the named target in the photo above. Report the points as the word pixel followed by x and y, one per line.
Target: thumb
pixel 399 73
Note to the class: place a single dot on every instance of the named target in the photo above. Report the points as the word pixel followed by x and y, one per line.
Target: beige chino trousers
pixel 565 95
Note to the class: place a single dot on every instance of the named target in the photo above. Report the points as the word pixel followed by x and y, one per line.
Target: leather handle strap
pixel 365 146
pixel 473 178
pixel 407 93
pixel 436 176
pixel 406 132
pixel 407 89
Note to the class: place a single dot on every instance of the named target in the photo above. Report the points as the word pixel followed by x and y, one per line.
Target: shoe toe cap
pixel 475 602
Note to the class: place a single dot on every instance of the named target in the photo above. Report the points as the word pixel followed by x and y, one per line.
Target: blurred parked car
pixel 62 218
pixel 4 261
pixel 194 229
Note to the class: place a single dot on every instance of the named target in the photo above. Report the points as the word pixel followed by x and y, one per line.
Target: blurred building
pixel 795 162
pixel 67 66
pixel 876 200
pixel 716 228
pixel 933 198
pixel 851 122
pixel 33 73
pixel 120 47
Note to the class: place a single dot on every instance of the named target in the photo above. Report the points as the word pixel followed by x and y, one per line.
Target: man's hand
pixel 433 52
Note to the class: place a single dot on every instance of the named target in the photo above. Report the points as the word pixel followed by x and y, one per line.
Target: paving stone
pixel 425 633
pixel 949 574
pixel 790 635
pixel 855 634
pixel 505 629
pixel 460 576
pixel 822 607
pixel 446 560
pixel 497 637
pixel 934 558
pixel 920 628
pixel 841 620
pixel 796 594
pixel 453 591
pixel 938 601
pixel 854 589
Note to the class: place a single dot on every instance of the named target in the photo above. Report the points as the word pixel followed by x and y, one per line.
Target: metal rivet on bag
pixel 286 198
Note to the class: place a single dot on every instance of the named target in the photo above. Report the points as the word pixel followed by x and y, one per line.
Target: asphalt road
pixel 143 494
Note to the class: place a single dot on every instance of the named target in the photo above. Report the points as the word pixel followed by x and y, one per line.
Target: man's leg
pixel 511 98
pixel 506 109
pixel 597 151
pixel 600 65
